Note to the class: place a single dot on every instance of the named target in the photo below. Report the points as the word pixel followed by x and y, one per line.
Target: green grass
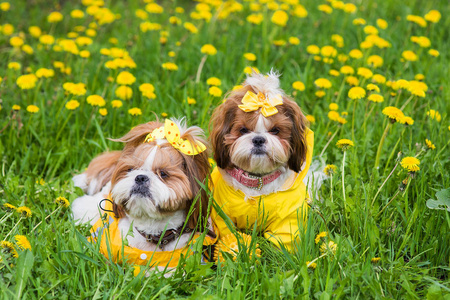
pixel 55 143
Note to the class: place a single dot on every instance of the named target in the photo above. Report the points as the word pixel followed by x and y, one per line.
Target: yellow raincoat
pixel 276 215
pixel 111 244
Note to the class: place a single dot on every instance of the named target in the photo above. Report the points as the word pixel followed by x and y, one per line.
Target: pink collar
pixel 252 181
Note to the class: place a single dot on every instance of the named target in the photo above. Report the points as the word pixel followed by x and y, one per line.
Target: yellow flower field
pixel 370 76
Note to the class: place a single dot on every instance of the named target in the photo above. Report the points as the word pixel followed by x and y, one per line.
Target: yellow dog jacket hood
pixel 276 214
pixel 112 245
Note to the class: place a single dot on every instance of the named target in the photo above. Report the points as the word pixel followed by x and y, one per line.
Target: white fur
pixel 269 84
pixel 142 211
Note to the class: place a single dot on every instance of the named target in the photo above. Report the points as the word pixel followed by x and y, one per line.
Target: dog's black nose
pixel 141 179
pixel 258 141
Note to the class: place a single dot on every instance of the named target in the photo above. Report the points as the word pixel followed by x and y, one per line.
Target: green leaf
pixel 442 202
pixel 24 265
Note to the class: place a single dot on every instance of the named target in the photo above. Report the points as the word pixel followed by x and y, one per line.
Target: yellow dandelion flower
pixel 77 14
pixel 214 81
pixel 329 171
pixel 294 40
pixel 171 54
pixel 62 201
pixel 170 66
pixel 382 24
pixel 26 82
pixel 375 98
pixel 323 233
pixel 280 18
pixel 333 115
pixel 372 87
pixel 9 207
pixel 35 31
pixel 125 78
pixel 417 19
pixel 14 65
pixel 164 115
pixel 364 72
pixel 329 248
pixel 96 100
pixel 116 103
pixel 347 70
pixel 9 248
pixel 103 111
pixel 154 8
pixel 320 94
pixel 313 49
pixel 433 52
pixel 5 6
pixel 124 92
pixel 325 8
pixel 208 49
pixel 72 104
pixel 410 163
pixel 215 91
pixel 32 109
pixel 334 73
pixel 434 114
pixel 375 260
pixel 135 111
pixel 16 41
pixel 344 144
pixel 359 21
pixel 311 265
pixel 355 53
pixel 322 83
pixel 251 70
pixel 55 17
pixel 350 8
pixel 24 211
pixel 419 77
pixel 429 144
pixel 328 51
pixel 279 43
pixel 191 101
pixel 378 78
pixel 43 72
pixel 409 55
pixel 22 242
pixel 298 85
pixel 311 119
pixel 190 27
pixel 333 106
pixel 393 113
pixel 250 56
pixel 433 16
pixel 229 244
pixel 356 93
pixel 47 39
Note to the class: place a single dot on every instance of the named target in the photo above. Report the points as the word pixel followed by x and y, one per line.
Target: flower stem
pixel 13 228
pixel 5 217
pixel 200 68
pixel 329 141
pixel 343 181
pixel 379 190
pixel 406 103
pixel 380 145
pixel 45 219
pixel 390 201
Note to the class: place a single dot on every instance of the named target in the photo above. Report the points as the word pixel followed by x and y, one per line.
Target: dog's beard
pixel 152 199
pixel 259 160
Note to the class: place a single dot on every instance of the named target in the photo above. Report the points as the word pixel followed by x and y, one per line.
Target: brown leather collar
pixel 169 235
pixel 252 181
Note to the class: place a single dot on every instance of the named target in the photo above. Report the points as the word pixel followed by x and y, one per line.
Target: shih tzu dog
pixel 263 150
pixel 146 202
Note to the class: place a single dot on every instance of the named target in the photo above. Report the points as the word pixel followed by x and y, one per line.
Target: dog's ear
pixel 298 135
pixel 220 125
pixel 100 171
pixel 118 211
pixel 138 134
pixel 197 169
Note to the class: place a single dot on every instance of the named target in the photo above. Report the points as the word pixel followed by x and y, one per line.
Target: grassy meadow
pixel 375 73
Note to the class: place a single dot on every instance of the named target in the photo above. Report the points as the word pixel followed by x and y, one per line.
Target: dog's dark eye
pixel 163 174
pixel 243 130
pixel 274 131
pixel 130 169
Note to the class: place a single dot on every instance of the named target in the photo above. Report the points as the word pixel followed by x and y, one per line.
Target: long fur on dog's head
pixel 152 180
pixel 280 138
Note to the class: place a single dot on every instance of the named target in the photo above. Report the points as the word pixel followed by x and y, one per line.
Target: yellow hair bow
pixel 252 102
pixel 171 133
